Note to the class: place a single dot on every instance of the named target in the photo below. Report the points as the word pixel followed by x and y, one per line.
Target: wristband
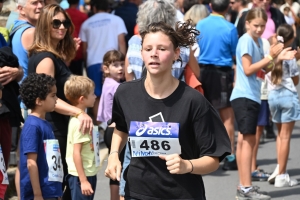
pixel 192 166
pixel 113 152
pixel 79 113
pixel 270 57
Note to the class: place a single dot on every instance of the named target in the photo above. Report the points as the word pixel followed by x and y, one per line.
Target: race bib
pixel 96 146
pixel 148 139
pixel 52 150
pixel 3 168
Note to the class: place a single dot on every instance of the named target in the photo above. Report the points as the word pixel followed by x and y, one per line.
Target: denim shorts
pixel 284 105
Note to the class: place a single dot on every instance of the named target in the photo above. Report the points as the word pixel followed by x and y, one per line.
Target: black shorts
pixel 217 83
pixel 246 114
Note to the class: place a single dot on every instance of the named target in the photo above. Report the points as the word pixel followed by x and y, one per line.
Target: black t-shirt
pixel 58 121
pixel 201 133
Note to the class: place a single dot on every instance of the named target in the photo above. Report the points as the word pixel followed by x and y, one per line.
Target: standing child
pixel 285 107
pixel 245 98
pixel 82 154
pixel 40 164
pixel 113 68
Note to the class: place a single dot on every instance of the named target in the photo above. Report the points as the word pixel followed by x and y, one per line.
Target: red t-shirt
pixel 77 18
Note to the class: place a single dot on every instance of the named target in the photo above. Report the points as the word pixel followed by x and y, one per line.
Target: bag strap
pixel 15 29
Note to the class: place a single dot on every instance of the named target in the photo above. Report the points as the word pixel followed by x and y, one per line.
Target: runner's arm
pixel 34 174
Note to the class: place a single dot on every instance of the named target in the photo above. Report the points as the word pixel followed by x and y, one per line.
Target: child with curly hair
pixel 40 160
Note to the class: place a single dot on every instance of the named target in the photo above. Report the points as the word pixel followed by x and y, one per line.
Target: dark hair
pixel 256 13
pixel 1 86
pixel 187 4
pixel 287 33
pixel 101 5
pixel 286 8
pixel 184 34
pixel 35 86
pixel 243 2
pixel 73 2
pixel 112 56
pixel 219 5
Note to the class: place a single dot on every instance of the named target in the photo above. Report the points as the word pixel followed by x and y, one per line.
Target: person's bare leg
pixel 248 143
pixel 227 116
pixel 114 192
pixel 278 142
pixel 284 150
pixel 259 131
pixel 239 153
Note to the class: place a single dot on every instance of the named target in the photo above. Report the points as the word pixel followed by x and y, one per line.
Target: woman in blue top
pixel 245 98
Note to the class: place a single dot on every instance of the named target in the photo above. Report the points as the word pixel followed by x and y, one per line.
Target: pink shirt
pixel 106 101
pixel 270 27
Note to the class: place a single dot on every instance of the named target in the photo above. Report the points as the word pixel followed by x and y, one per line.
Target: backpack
pixel 5 32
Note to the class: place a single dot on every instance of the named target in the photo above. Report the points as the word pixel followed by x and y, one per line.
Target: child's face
pixel 158 53
pixel 89 101
pixel 116 70
pixel 49 103
pixel 256 27
pixel 286 12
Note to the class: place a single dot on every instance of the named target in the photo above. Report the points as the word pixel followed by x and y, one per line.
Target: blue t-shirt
pixel 247 86
pixel 34 132
pixel 217 40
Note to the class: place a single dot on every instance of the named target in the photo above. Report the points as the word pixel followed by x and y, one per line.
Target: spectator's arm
pixel 28 38
pixel 8 74
pixel 122 43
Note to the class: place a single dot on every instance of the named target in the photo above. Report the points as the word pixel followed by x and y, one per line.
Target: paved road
pixel 221 185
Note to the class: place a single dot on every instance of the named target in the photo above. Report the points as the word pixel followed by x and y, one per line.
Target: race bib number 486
pixel 154 138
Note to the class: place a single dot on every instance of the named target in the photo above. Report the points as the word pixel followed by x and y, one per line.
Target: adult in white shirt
pixel 100 33
pixel 294 6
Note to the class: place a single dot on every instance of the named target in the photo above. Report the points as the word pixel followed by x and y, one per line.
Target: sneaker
pixel 230 165
pixel 285 181
pixel 271 178
pixel 257 189
pixel 251 194
pixel 259 175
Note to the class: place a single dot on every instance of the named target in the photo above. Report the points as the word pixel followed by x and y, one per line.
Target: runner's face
pixel 158 53
pixel 32 9
pixel 256 27
pixel 50 101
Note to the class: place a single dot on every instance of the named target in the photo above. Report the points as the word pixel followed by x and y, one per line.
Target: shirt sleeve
pixel 211 136
pixel 30 139
pixel 234 40
pixel 117 112
pixel 246 47
pixel 121 26
pixel 82 33
pixel 79 137
pixel 294 71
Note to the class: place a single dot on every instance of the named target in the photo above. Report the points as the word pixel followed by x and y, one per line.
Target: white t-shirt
pixel 101 32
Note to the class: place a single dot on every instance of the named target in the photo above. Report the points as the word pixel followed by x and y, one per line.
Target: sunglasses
pixel 56 23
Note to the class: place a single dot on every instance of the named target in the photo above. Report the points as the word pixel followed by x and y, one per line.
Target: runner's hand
pixel 176 165
pixel 86 123
pixel 113 169
pixel 86 188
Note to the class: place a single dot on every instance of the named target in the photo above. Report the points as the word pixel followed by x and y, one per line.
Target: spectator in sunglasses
pixel 52 48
